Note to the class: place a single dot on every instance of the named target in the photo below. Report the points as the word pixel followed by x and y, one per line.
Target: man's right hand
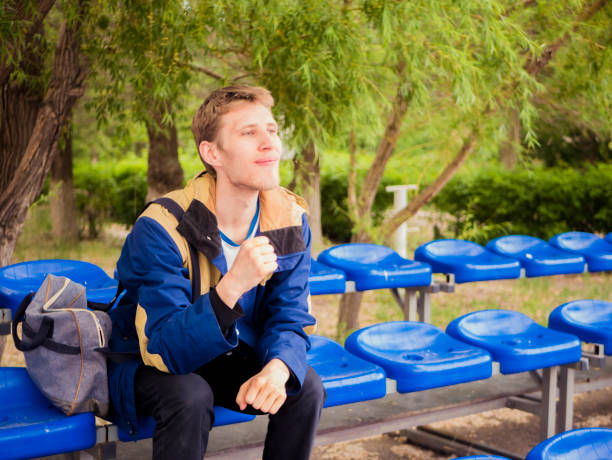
pixel 256 260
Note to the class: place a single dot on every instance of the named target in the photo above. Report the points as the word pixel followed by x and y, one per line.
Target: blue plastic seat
pixel 537 257
pixel 589 320
pixel 325 280
pixel 146 425
pixel 467 261
pixel 346 377
pixel 419 356
pixel 17 280
pixel 608 237
pixel 30 426
pixel 596 251
pixel 515 341
pixel 372 266
pixel 580 444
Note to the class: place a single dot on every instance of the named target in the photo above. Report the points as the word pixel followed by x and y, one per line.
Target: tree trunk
pixel 30 129
pixel 509 149
pixel 27 176
pixel 308 176
pixel 164 172
pixel 61 194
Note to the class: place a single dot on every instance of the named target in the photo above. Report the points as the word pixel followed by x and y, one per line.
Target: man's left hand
pixel 265 391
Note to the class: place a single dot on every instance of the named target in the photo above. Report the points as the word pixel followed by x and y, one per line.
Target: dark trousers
pixel 182 406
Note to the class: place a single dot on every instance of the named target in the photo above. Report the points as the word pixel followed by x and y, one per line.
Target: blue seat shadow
pixel 589 320
pixel 596 251
pixel 30 426
pixel 372 266
pixel 419 356
pixel 467 261
pixel 17 280
pixel 346 377
pixel 537 257
pixel 325 280
pixel 146 425
pixel 579 444
pixel 515 341
pixel 482 457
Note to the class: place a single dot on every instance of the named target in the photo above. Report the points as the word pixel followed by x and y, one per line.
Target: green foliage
pixel 110 192
pixel 541 202
pixel 336 223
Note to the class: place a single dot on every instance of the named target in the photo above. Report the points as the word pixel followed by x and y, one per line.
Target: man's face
pixel 249 147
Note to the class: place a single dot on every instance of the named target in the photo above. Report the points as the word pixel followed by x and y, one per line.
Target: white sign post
pixel 400 200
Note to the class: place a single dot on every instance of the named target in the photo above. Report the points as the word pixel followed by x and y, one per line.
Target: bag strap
pixel 38 337
pixel 178 212
pixel 101 306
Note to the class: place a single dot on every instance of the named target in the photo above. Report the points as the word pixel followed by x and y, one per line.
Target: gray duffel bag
pixel 65 345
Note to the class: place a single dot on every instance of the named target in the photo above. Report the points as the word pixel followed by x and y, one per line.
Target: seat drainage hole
pixel 411 357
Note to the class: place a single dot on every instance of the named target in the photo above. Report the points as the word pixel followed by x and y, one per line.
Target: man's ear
pixel 209 153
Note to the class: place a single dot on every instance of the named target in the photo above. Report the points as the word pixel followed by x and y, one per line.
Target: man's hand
pixel 265 391
pixel 255 261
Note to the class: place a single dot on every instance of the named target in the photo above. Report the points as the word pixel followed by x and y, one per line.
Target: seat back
pixel 580 444
pixel 513 245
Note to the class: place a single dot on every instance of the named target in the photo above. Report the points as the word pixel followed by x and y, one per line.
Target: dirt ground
pixel 507 429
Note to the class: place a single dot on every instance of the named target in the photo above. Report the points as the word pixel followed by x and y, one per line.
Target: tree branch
pixel 391 224
pixel 536 64
pixel 203 70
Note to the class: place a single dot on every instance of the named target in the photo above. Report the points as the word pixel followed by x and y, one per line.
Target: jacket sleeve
pixel 174 335
pixel 287 315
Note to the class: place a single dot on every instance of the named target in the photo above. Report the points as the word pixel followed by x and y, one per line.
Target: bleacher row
pixel 401 356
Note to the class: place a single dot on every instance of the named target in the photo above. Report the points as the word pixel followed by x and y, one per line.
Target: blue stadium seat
pixel 596 251
pixel 30 426
pixel 346 377
pixel 146 425
pixel 17 280
pixel 515 341
pixel 580 444
pixel 372 266
pixel 467 261
pixel 537 257
pixel 419 356
pixel 589 320
pixel 325 280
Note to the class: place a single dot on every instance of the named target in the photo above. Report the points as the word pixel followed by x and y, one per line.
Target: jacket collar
pixel 280 219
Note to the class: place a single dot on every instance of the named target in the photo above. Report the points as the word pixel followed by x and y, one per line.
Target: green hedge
pixel 110 192
pixel 541 202
pixel 335 222
pixel 116 192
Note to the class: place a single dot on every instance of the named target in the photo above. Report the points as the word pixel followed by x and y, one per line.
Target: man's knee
pixel 186 397
pixel 312 389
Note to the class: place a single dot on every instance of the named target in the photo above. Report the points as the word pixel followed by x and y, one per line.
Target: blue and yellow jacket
pixel 158 320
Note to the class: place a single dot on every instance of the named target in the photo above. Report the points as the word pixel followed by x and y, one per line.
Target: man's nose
pixel 266 141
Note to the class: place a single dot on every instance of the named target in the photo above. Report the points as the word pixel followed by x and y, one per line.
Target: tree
pixel 145 65
pixel 62 203
pixel 34 109
pixel 310 56
pixel 476 60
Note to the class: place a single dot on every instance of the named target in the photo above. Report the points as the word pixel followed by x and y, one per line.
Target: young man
pixel 240 341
